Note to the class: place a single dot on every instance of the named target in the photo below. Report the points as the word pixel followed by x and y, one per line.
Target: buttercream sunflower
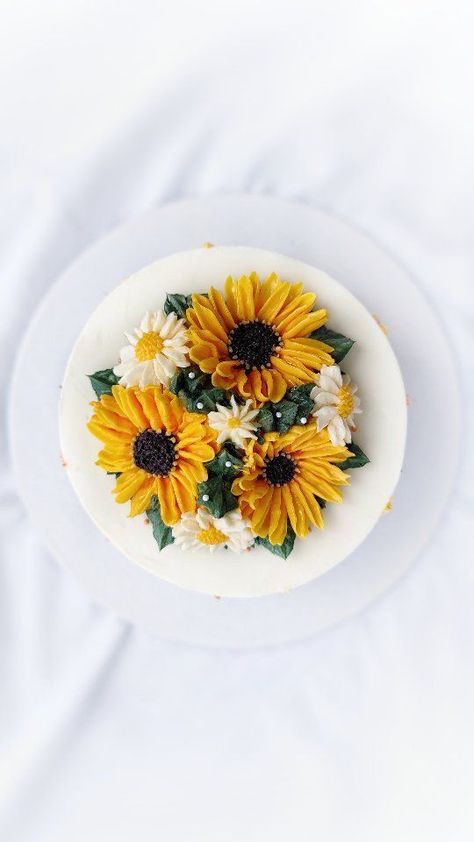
pixel 157 447
pixel 255 338
pixel 282 478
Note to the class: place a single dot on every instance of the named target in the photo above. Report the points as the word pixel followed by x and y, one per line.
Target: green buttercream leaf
pixel 219 467
pixel 281 550
pixel 221 500
pixel 265 419
pixel 162 534
pixel 282 415
pixel 288 411
pixel 207 401
pixel 301 396
pixel 102 381
pixel 357 460
pixel 197 389
pixel 177 303
pixel 340 344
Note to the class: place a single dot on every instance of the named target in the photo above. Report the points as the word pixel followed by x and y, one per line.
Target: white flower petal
pixel 158 320
pixel 327 384
pixel 347 432
pixel 168 365
pixel 146 322
pixel 168 326
pixel 324 416
pixel 336 431
pixel 160 373
pixel 334 372
pixel 326 399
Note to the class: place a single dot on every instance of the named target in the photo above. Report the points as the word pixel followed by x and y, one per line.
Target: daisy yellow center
pixel 233 422
pixel 346 402
pixel 211 536
pixel 148 346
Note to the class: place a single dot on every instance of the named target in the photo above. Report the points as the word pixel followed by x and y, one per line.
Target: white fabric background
pixel 364 109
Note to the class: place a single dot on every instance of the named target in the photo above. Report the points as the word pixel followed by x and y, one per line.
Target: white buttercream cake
pixel 233 420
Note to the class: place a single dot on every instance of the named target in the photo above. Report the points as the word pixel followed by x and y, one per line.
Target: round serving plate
pixel 132 590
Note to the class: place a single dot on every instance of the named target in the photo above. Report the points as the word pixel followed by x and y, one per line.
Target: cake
pixel 233 420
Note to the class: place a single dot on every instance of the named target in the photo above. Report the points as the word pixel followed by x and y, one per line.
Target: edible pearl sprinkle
pixel 228 464
pixel 278 414
pixel 191 375
pixel 199 405
pixel 205 497
pixel 303 420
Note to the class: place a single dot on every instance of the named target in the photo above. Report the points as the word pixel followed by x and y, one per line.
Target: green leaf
pixel 217 489
pixel 194 387
pixel 288 411
pixel 301 396
pixel 162 534
pixel 281 416
pixel 102 381
pixel 219 465
pixel 340 344
pixel 281 550
pixel 357 460
pixel 265 419
pixel 207 401
pixel 177 303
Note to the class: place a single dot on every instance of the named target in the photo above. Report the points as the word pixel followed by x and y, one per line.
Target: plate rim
pixel 222 631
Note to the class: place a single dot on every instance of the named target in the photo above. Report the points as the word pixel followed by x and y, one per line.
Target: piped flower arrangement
pixel 226 418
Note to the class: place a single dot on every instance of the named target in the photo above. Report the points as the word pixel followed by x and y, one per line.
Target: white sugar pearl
pixel 303 420
pixel 199 405
pixel 228 464
pixel 278 414
pixel 205 497
pixel 192 375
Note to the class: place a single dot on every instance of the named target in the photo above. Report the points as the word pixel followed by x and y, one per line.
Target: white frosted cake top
pixel 110 339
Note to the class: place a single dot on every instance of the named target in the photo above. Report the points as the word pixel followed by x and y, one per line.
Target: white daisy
pixel 335 404
pixel 235 423
pixel 155 350
pixel 201 529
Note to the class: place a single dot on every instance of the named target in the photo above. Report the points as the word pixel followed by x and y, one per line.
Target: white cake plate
pixel 385 289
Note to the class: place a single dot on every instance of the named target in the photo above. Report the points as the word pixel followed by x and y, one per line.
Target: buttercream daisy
pixel 234 424
pixel 155 350
pixel 157 447
pixel 335 404
pixel 254 339
pixel 201 529
pixel 282 478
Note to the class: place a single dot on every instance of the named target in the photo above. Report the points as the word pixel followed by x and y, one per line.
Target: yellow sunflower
pixel 255 337
pixel 283 476
pixel 157 446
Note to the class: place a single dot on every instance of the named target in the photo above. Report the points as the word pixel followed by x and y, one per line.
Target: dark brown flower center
pixel 279 470
pixel 253 343
pixel 154 452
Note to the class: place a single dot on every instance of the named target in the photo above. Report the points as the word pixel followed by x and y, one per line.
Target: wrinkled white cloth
pixel 364 109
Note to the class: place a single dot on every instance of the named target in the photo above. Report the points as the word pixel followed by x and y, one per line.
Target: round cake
pixel 233 420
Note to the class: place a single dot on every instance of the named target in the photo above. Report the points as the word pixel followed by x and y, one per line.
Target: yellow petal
pixel 141 500
pixel 221 309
